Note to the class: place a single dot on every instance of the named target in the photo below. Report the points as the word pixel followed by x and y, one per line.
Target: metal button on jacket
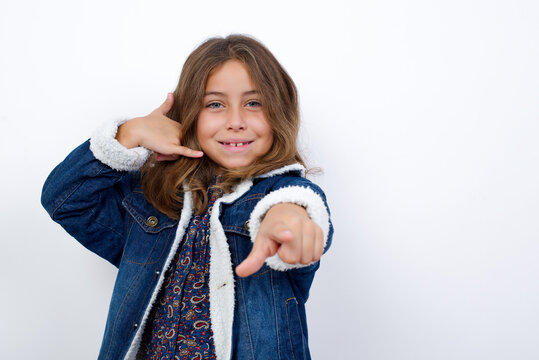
pixel 152 221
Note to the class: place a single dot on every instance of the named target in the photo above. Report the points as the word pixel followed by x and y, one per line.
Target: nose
pixel 235 121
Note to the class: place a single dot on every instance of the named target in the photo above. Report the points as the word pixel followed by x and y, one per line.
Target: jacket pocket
pixel 148 231
pixel 295 329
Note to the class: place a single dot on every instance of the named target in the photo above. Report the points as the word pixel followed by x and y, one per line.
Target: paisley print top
pixel 178 326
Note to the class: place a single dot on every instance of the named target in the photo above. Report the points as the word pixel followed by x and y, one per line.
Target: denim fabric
pixel 106 212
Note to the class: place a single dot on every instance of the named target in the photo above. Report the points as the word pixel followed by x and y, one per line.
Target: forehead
pixel 231 77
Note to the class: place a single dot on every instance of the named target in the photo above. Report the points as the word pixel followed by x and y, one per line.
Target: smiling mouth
pixel 235 144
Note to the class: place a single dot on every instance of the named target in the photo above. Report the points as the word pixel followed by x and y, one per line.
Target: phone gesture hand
pixel 157 133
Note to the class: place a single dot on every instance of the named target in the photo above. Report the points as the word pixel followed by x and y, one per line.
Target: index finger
pixel 185 151
pixel 262 249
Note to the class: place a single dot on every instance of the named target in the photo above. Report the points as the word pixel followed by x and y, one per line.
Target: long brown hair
pixel 162 182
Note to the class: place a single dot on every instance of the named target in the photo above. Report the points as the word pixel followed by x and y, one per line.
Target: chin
pixel 235 166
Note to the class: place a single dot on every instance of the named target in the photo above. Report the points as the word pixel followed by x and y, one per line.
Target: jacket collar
pixel 283 170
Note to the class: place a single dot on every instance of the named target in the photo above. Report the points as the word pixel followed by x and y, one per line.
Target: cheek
pixel 263 128
pixel 200 132
pixel 204 131
pixel 268 140
pixel 269 134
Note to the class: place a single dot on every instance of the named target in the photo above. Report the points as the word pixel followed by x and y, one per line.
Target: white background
pixel 424 116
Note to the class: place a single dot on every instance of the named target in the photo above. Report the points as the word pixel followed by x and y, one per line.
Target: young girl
pixel 204 208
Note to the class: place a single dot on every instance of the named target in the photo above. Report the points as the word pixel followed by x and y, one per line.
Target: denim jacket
pixel 99 201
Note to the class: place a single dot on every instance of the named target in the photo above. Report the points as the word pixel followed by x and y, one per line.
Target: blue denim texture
pixel 105 210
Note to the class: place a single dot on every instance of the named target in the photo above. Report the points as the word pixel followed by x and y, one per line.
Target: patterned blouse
pixel 179 324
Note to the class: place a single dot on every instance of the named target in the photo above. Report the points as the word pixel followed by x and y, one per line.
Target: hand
pixel 288 231
pixel 157 133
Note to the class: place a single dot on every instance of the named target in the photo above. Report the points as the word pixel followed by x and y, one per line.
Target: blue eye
pixel 213 105
pixel 253 103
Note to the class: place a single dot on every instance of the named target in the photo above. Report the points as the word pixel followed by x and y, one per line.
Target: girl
pixel 204 208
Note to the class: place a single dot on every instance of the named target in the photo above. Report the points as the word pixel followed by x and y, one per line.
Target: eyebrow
pixel 218 93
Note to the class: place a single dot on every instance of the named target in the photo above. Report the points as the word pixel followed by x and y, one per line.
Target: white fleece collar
pixel 283 170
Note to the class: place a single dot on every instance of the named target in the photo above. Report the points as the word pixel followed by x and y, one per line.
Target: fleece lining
pixel 109 151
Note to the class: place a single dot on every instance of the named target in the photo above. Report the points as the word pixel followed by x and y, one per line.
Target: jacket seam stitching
pixel 114 330
pixel 275 316
pixel 150 252
pixel 61 201
pixel 140 220
pixel 288 323
pixel 247 333
pixel 103 225
pixel 256 196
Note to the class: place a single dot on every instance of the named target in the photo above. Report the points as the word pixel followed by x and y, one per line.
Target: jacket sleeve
pixel 84 192
pixel 300 191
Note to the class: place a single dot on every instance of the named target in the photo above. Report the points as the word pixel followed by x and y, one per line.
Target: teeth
pixel 236 144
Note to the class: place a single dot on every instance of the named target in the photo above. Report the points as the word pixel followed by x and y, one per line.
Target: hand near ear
pixel 288 231
pixel 157 133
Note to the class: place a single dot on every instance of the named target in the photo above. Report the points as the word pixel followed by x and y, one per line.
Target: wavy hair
pixel 164 183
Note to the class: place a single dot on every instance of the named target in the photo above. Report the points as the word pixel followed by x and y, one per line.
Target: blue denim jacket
pixel 258 317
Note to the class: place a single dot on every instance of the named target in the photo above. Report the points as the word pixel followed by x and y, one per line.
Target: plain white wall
pixel 423 114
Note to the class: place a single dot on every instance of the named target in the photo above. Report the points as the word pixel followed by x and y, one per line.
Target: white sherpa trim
pixel 185 217
pixel 109 151
pixel 303 196
pixel 284 170
pixel 222 277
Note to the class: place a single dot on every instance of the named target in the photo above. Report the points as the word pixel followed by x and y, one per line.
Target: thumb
pixel 167 105
pixel 262 249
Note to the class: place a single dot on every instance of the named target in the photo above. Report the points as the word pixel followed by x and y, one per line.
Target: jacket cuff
pixel 303 196
pixel 109 151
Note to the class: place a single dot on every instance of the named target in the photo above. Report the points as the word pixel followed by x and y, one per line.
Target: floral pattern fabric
pixel 179 325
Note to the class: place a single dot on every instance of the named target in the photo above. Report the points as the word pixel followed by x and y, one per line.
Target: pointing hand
pixel 288 231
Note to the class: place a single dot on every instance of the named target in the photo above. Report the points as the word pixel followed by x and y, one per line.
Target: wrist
pixel 289 209
pixel 127 135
